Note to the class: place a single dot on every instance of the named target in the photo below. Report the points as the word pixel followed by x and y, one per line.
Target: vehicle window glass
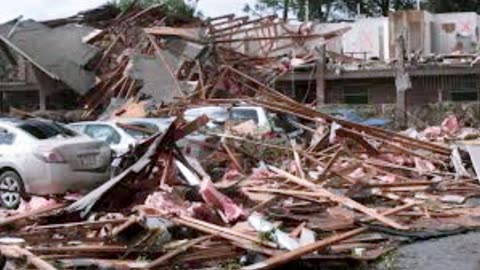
pixel 6 138
pixel 104 133
pixel 45 130
pixel 77 128
pixel 242 115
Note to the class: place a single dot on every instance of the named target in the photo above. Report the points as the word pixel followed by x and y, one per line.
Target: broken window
pixel 355 95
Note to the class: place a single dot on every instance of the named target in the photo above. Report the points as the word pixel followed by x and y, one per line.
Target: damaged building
pixel 41 63
pixel 440 50
pixel 38 67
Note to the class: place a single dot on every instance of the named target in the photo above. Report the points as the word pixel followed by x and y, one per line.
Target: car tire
pixel 10 180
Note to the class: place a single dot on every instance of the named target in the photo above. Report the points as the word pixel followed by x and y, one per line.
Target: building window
pixel 466 95
pixel 355 95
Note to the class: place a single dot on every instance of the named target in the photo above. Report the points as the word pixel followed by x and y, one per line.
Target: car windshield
pixel 242 115
pixel 45 130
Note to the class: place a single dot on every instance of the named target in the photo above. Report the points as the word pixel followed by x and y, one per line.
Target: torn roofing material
pixel 58 52
pixel 158 73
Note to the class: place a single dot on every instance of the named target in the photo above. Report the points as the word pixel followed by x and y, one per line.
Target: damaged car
pixel 45 158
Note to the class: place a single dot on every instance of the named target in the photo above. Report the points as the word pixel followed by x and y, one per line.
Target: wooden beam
pixel 17 252
pixel 286 257
pixel 170 255
pixel 339 199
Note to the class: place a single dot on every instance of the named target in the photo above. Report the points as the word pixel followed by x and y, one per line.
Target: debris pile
pixel 339 191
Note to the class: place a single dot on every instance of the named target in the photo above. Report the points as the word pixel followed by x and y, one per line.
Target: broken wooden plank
pixel 188 221
pixel 31 214
pixel 286 257
pixel 338 198
pixel 170 255
pixel 17 252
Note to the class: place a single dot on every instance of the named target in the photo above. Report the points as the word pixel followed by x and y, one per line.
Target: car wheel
pixel 11 181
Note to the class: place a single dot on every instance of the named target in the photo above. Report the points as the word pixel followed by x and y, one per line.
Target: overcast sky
pixel 49 9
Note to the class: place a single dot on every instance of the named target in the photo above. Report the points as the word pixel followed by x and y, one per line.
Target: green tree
pixel 440 6
pixel 376 7
pixel 327 10
pixel 179 7
pixel 317 9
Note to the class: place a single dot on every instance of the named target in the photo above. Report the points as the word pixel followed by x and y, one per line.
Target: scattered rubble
pixel 341 190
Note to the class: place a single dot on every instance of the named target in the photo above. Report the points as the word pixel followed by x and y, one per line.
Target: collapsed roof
pixel 58 52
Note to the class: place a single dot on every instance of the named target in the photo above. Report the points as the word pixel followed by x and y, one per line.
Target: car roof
pixel 92 123
pixel 146 120
pixel 10 121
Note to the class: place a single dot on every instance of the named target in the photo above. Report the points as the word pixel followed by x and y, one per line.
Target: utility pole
pixel 402 83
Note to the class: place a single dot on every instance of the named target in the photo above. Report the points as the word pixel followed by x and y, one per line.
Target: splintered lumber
pixel 209 228
pixel 165 258
pixel 280 37
pixel 237 241
pixel 299 252
pixel 282 103
pixel 87 224
pixel 289 256
pixel 339 199
pixel 222 17
pixel 31 214
pixel 390 144
pixel 172 31
pixel 93 248
pixel 17 252
pixel 330 163
pixel 232 156
pixel 236 26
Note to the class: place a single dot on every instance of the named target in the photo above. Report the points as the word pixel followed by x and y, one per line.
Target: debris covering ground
pixel 339 191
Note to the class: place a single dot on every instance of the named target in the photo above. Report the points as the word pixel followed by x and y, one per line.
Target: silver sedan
pixel 43 157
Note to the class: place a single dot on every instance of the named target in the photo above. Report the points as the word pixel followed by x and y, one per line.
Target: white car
pixel 43 157
pixel 218 115
pixel 193 144
pixel 119 139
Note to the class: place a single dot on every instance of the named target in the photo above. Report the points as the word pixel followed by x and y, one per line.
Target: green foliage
pixel 266 236
pixel 318 9
pixel 178 7
pixel 440 6
pixel 328 10
pixel 376 7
